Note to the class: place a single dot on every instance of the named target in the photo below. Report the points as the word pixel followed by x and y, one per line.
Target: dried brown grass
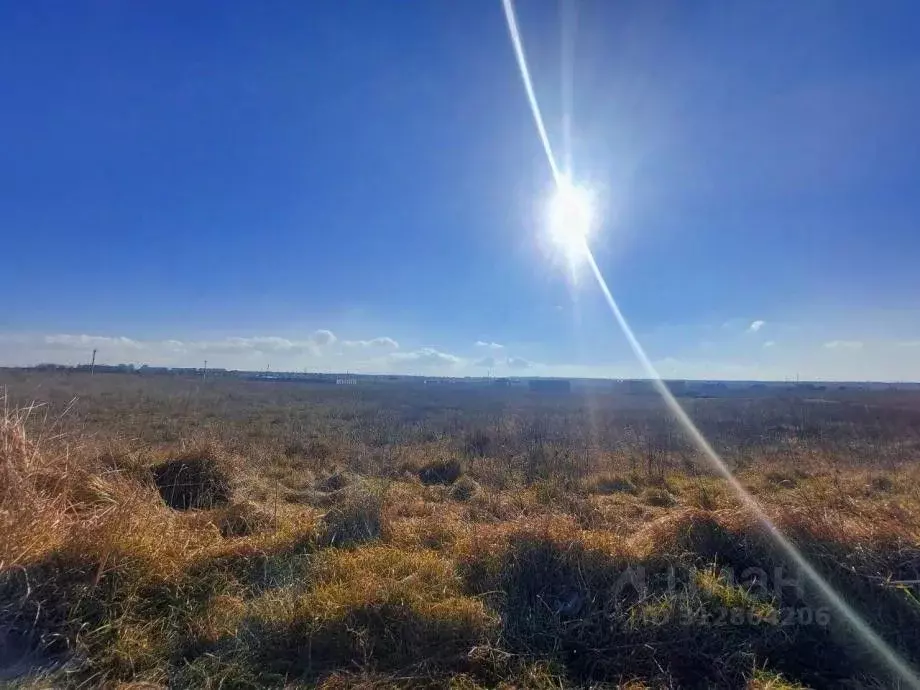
pixel 452 580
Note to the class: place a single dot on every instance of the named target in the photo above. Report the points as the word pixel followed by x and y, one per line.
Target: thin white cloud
pixel 854 359
pixel 81 342
pixel 265 344
pixel 844 345
pixel 272 344
pixel 427 357
pixel 323 337
pixel 381 343
pixel 320 350
pixel 243 345
pixel 487 345
pixel 318 342
pixel 756 325
pixel 492 362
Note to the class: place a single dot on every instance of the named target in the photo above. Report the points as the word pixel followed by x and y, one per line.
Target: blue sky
pixel 359 185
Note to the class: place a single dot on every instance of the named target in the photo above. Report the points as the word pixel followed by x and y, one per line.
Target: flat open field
pixel 230 533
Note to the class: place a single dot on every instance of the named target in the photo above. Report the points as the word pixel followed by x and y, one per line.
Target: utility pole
pixel 92 366
pixel 204 373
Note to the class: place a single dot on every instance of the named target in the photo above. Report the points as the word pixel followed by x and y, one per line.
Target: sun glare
pixel 571 218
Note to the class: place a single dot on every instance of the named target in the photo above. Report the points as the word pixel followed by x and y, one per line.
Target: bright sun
pixel 571 218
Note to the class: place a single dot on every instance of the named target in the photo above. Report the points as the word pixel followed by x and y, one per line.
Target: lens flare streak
pixel 883 651
pixel 528 86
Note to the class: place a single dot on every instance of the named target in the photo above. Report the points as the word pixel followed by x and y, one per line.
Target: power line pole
pixel 204 373
pixel 92 366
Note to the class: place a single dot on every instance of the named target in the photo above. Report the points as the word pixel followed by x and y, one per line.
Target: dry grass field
pixel 167 532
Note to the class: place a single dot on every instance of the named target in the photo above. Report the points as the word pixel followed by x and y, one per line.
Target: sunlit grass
pixel 407 569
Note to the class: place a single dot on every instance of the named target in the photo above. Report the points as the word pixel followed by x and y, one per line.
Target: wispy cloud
pixel 237 345
pixel 324 350
pixel 323 337
pixel 90 341
pixel 320 348
pixel 514 363
pixel 844 345
pixel 381 343
pixel 427 357
pixel 488 346
pixel 756 326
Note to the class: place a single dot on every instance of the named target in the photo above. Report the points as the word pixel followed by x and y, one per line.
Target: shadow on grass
pixel 377 609
pixel 383 637
pixel 112 621
pixel 704 614
pixel 698 605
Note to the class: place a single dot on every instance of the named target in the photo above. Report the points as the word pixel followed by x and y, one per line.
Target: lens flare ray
pixel 882 650
pixel 511 18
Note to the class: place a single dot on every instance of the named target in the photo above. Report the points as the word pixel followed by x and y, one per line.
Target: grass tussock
pixel 356 517
pixel 658 497
pixel 611 484
pixel 180 565
pixel 244 519
pixel 440 472
pixel 464 489
pixel 338 481
pixel 768 680
pixel 386 606
pixel 194 480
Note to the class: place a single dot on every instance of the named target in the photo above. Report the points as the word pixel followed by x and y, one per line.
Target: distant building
pixel 501 383
pixel 346 381
pixel 145 369
pixel 106 368
pixel 550 385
